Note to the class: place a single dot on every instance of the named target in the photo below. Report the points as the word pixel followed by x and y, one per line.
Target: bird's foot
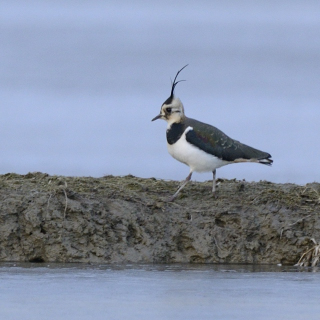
pixel 214 195
pixel 181 186
pixel 170 199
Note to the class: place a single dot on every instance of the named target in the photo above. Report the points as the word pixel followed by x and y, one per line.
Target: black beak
pixel 157 117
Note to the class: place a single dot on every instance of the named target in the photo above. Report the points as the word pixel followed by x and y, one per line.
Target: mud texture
pixel 126 219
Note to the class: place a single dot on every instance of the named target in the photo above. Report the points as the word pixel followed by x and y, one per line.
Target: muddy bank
pixel 125 219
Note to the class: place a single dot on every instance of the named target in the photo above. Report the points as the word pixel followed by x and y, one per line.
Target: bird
pixel 202 147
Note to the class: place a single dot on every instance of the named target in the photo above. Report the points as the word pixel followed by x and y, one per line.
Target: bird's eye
pixel 169 110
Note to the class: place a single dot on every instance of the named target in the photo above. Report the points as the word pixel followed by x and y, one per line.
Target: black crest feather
pixel 176 82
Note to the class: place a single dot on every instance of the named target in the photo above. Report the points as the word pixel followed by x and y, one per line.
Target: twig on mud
pixel 216 242
pixel 299 220
pixel 48 203
pixel 65 208
pixel 310 257
pixel 317 200
pixel 66 197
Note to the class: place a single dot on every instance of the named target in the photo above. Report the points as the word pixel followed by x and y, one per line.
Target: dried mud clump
pixel 127 219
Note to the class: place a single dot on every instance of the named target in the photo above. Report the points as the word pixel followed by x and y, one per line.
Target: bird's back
pixel 213 141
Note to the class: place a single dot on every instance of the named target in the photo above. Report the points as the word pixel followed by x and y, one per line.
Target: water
pixel 81 80
pixel 157 292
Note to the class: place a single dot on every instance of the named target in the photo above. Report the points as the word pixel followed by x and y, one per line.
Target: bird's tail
pixel 267 160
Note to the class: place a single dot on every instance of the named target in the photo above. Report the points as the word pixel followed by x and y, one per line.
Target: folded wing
pixel 215 142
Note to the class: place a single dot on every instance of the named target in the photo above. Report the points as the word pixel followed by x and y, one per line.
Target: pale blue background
pixel 80 82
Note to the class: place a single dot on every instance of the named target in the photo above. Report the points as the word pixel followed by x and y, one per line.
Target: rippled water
pixel 72 291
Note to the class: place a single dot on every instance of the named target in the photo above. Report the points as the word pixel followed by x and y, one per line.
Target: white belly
pixel 192 156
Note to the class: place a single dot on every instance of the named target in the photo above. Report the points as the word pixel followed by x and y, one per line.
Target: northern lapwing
pixel 201 146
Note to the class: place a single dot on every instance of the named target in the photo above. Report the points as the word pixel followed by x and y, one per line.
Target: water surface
pixel 72 291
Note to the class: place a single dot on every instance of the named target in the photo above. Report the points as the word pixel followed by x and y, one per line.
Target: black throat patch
pixel 175 132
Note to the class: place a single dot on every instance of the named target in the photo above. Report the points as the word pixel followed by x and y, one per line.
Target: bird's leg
pixel 184 182
pixel 214 182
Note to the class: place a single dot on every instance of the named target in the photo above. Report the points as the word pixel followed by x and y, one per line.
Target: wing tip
pixel 267 160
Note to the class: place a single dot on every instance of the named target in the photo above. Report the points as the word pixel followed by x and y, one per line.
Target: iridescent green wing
pixel 215 142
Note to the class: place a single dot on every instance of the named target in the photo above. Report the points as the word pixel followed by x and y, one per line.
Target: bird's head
pixel 172 109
